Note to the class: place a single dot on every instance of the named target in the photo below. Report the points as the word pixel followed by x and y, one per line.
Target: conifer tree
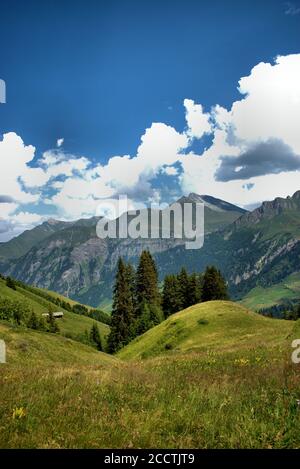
pixel 146 282
pixel 142 323
pixel 122 316
pixel 131 281
pixel 95 337
pixel 194 290
pixel 183 288
pixel 171 300
pixel 214 286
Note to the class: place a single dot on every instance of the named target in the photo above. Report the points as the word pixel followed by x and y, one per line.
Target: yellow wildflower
pixel 18 413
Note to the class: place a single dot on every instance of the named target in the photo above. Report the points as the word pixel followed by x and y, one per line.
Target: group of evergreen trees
pixel 136 301
pixel 138 304
pixel 184 290
pixel 293 314
pixel 180 291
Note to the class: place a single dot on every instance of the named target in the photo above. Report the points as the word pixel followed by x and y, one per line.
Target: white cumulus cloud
pixel 257 139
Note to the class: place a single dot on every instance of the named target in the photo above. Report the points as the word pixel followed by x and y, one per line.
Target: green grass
pixel 208 326
pixel 27 348
pixel 71 323
pixel 106 305
pixel 259 297
pixel 226 382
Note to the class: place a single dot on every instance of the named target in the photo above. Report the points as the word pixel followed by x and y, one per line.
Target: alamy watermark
pixel 183 221
pixel 296 352
pixel 2 351
pixel 2 92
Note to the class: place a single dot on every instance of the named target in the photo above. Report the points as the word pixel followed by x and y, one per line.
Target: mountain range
pixel 258 248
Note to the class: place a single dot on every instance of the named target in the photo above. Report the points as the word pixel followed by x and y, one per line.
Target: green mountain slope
pixel 218 326
pixel 25 347
pixel 280 293
pixel 18 246
pixel 73 325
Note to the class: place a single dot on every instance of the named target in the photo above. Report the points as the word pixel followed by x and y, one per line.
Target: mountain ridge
pixel 251 248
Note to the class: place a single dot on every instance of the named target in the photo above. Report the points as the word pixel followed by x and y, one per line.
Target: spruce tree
pixel 183 288
pixel 143 322
pixel 131 281
pixel 146 282
pixel 122 316
pixel 95 337
pixel 171 300
pixel 194 290
pixel 214 286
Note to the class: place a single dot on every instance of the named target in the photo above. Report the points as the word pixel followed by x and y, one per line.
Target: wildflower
pixel 18 413
pixel 241 361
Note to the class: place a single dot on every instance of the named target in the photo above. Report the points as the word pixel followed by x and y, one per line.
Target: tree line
pixel 138 303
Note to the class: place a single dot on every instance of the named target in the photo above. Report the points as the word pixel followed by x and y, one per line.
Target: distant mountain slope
pixel 217 212
pixel 73 261
pixel 285 292
pixel 74 325
pixel 18 246
pixel 259 248
pixel 214 326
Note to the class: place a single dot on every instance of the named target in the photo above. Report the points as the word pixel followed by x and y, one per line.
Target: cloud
pixel 6 199
pixel 248 186
pixel 270 107
pixel 197 121
pixel 271 157
pixel 26 218
pixel 268 111
pixel 81 194
pixel 16 224
pixel 291 9
pixel 252 156
pixel 5 226
pixel 14 159
pixel 60 142
pixel 170 171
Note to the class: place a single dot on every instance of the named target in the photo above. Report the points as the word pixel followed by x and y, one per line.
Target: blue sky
pixel 99 73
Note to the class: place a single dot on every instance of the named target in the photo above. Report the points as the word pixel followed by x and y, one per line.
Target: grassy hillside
pixel 71 324
pixel 216 325
pixel 287 290
pixel 26 347
pixel 225 380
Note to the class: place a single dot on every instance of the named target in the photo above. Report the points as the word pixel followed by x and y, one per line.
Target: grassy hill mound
pixel 215 325
pixel 27 347
pixel 73 325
